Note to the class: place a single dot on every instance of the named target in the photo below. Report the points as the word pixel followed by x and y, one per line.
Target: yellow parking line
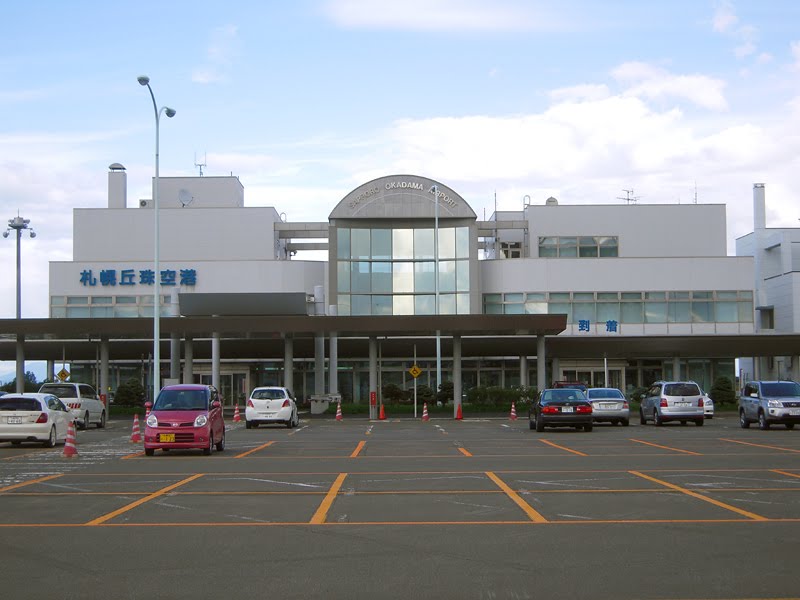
pixel 31 482
pixel 134 455
pixel 358 449
pixel 678 488
pixel 261 447
pixel 774 471
pixel 665 447
pixel 464 451
pixel 533 515
pixel 322 512
pixel 132 505
pixel 554 445
pixel 759 445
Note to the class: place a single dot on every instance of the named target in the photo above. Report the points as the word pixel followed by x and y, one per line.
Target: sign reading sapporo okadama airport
pixel 124 277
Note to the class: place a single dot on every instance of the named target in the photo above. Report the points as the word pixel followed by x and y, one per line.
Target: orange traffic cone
pixel 425 416
pixel 339 411
pixel 459 416
pixel 236 416
pixel 382 414
pixel 513 415
pixel 136 435
pixel 69 445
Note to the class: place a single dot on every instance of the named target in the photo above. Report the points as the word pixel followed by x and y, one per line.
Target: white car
pixel 708 406
pixel 33 418
pixel 271 405
pixel 81 399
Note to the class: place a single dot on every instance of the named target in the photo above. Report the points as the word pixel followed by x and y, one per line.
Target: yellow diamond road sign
pixel 415 371
pixel 63 375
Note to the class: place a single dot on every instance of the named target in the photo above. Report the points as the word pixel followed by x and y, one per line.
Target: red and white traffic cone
pixel 339 411
pixel 236 416
pixel 382 414
pixel 69 445
pixel 425 416
pixel 136 435
pixel 513 415
pixel 459 414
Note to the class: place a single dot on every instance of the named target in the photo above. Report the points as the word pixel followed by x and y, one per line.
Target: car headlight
pixel 200 421
pixel 774 403
pixel 152 420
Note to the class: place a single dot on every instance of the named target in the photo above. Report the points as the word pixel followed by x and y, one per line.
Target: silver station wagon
pixel 673 401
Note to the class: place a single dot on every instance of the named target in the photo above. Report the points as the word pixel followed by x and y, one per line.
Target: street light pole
pixel 145 81
pixel 436 283
pixel 18 224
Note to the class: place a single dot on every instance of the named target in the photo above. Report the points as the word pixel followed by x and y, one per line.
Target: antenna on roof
pixel 695 191
pixel 629 197
pixel 200 165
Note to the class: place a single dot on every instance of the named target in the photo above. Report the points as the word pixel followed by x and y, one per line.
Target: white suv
pixel 673 401
pixel 82 401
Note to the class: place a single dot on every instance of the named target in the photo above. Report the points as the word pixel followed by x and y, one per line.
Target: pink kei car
pixel 184 417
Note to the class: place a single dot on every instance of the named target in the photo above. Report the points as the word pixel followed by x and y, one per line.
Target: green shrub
pixel 722 391
pixel 130 393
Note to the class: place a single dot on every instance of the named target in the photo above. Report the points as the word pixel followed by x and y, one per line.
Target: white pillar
pixel 188 360
pixel 456 374
pixel 373 376
pixel 541 364
pixel 288 362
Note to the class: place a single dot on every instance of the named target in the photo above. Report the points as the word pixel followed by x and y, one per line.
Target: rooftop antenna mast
pixel 200 165
pixel 695 191
pixel 629 197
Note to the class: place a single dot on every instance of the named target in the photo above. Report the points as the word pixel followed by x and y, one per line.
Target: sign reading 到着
pixel 415 371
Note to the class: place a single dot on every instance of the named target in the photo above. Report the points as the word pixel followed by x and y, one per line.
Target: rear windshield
pixel 12 403
pixel 781 388
pixel 681 389
pixel 62 391
pixel 605 394
pixel 268 395
pixel 563 395
pixel 181 400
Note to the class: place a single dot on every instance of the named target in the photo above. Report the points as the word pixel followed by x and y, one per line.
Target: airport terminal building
pixel 618 295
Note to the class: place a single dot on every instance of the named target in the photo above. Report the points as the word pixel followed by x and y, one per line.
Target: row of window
pixel 629 307
pixel 362 277
pixel 601 246
pixel 402 304
pixel 84 307
pixel 401 244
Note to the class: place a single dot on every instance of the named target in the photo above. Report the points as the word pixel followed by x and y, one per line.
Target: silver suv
pixel 768 402
pixel 672 401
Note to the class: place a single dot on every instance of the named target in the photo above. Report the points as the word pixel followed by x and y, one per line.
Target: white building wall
pixel 192 233
pixel 644 230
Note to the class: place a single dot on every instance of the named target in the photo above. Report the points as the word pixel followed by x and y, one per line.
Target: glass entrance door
pixel 232 388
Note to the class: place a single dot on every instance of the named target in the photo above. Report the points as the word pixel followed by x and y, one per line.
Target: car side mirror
pixel 215 404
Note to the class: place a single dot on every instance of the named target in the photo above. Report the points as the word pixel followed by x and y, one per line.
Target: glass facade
pixel 394 271
pixel 76 307
pixel 597 246
pixel 629 307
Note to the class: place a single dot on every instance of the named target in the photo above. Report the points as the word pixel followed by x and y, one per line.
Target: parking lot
pixel 480 508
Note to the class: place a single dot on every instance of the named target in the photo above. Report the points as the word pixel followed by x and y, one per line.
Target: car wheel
pixel 221 443
pixel 699 422
pixel 50 442
pixel 289 422
pixel 85 423
pixel 296 420
pixel 207 451
pixel 102 423
pixel 539 424
pixel 625 422
pixel 248 424
pixel 790 426
pixel 762 421
pixel 149 451
pixel 743 422
pixel 657 418
pixel 531 424
pixel 587 428
pixel 642 420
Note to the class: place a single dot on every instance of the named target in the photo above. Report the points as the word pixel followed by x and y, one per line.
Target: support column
pixel 20 362
pixel 288 362
pixel 104 373
pixel 333 358
pixel 523 371
pixel 319 365
pixel 50 374
pixel 188 360
pixel 456 374
pixel 356 385
pixel 555 373
pixel 215 360
pixel 373 376
pixel 676 368
pixel 541 364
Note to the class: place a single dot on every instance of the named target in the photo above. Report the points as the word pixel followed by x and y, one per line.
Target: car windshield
pixel 12 403
pixel 268 395
pixel 781 389
pixel 681 389
pixel 181 400
pixel 62 391
pixel 594 394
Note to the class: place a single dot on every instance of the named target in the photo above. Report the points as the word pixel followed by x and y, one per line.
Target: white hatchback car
pixel 33 418
pixel 271 405
pixel 81 399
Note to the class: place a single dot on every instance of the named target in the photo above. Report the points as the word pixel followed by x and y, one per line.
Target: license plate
pixel 608 405
pixel 166 437
pixel 683 404
pixel 566 409
pixel 793 412
pixel 266 414
pixel 18 420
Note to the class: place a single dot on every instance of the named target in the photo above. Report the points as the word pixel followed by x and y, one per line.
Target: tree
pixel 29 382
pixel 393 393
pixel 445 393
pixel 130 393
pixel 722 391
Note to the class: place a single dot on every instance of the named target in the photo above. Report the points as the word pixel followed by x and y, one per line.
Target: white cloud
pixel 726 22
pixel 580 92
pixel 652 82
pixel 223 48
pixel 724 18
pixel 442 15
pixel 794 48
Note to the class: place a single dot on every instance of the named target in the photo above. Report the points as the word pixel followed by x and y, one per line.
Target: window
pixel 602 246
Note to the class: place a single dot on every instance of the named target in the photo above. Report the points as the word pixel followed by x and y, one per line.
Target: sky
pixel 680 101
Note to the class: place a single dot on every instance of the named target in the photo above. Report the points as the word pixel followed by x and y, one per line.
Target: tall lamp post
pixel 18 224
pixel 170 112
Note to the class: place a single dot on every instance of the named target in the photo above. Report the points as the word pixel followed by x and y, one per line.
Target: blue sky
pixel 305 100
